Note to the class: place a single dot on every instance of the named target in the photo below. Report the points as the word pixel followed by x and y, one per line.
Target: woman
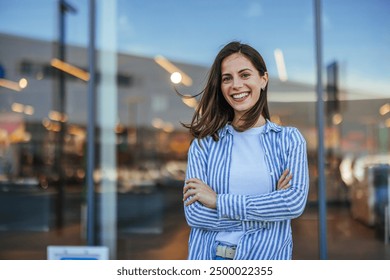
pixel 246 177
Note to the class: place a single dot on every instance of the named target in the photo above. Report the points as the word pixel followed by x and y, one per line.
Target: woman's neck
pixel 237 122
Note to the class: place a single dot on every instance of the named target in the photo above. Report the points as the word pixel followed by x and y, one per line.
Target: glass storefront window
pixel 141 146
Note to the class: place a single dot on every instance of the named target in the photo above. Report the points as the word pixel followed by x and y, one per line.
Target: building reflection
pixel 151 144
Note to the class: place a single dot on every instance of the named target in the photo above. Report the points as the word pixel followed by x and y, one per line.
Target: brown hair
pixel 213 111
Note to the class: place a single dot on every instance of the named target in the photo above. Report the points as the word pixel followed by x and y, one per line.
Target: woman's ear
pixel 264 79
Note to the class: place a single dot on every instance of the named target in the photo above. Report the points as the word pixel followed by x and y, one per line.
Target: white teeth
pixel 240 95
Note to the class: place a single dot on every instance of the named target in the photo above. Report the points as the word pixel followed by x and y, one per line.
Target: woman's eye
pixel 226 79
pixel 245 75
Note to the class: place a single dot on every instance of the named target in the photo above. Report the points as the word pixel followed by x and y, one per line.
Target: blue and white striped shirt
pixel 265 218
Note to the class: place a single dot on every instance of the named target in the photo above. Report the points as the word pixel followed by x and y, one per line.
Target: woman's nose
pixel 237 83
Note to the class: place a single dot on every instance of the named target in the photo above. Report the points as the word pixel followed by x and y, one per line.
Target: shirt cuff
pixel 231 206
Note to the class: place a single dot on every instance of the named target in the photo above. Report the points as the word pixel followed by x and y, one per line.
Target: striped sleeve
pixel 198 215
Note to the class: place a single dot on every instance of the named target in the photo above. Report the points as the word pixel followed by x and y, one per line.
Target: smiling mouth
pixel 239 96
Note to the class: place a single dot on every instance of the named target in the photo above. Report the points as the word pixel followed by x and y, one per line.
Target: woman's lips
pixel 240 96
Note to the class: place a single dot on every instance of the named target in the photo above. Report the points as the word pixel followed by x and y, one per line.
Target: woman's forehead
pixel 236 61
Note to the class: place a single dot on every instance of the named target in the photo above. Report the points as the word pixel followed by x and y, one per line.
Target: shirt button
pixel 237 217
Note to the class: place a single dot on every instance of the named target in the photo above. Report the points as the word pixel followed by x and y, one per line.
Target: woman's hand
pixel 284 180
pixel 199 191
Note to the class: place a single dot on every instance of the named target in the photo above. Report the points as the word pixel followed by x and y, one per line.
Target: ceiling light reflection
pixel 190 102
pixel 176 78
pixel 17 107
pixel 337 119
pixel 387 123
pixel 384 109
pixel 23 83
pixel 279 58
pixel 70 69
pixel 10 84
pixel 171 68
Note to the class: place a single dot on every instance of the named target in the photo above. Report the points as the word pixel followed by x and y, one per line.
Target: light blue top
pixel 265 218
pixel 248 173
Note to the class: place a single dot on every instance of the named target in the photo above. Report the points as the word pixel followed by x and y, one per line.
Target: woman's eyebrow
pixel 245 69
pixel 242 70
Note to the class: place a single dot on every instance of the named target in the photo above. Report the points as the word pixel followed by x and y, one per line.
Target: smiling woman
pixel 246 176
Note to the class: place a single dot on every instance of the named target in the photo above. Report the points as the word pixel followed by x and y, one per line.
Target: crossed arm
pixel 197 190
pixel 204 208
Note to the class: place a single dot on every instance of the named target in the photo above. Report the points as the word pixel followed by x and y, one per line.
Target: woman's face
pixel 241 83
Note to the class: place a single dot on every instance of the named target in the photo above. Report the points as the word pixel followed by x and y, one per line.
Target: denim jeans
pixel 218 258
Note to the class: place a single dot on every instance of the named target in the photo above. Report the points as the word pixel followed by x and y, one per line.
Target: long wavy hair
pixel 213 111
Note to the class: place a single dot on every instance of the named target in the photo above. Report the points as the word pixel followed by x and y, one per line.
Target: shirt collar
pixel 268 127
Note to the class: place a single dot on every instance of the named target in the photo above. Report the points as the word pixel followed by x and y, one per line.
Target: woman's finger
pixel 194 180
pixel 284 187
pixel 187 188
pixel 192 200
pixel 283 176
pixel 284 180
pixel 287 179
pixel 190 185
pixel 189 193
